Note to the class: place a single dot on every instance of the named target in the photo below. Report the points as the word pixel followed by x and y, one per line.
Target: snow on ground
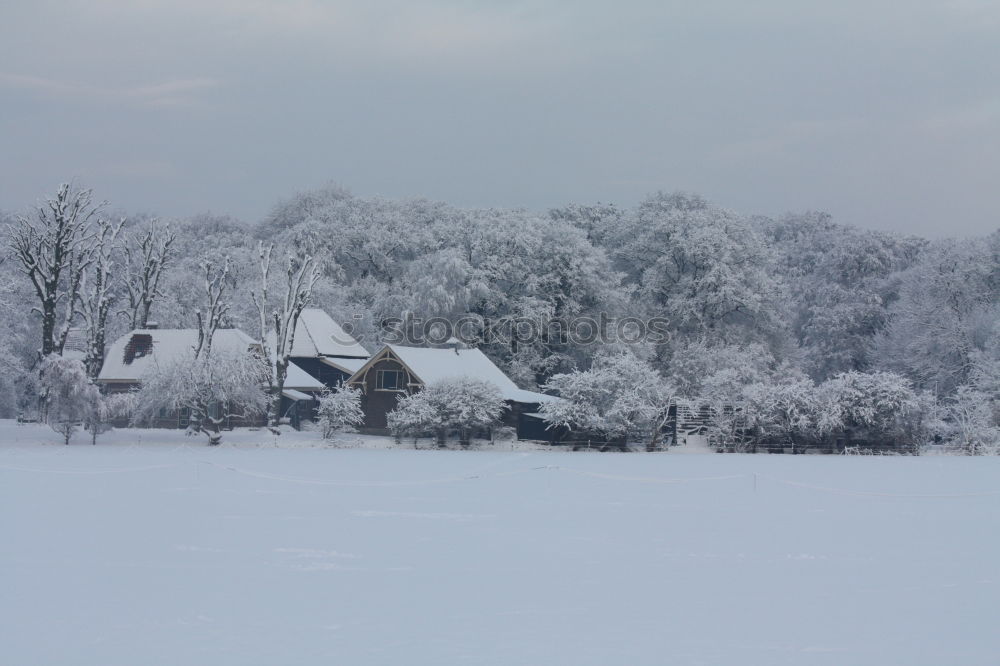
pixel 169 552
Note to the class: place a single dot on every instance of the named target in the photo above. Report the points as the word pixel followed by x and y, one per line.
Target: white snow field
pixel 169 552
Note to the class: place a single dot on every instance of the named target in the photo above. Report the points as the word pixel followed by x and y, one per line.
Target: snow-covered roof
pixel 297 396
pixel 167 345
pixel 76 344
pixel 432 365
pixel 297 378
pixel 348 365
pixel 317 334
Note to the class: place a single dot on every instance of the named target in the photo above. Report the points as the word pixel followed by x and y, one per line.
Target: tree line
pixel 755 308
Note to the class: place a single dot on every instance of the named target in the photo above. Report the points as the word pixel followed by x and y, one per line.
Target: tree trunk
pixel 196 420
pixel 48 327
pixel 95 356
pixel 654 442
pixel 143 315
pixel 214 432
pixel 274 417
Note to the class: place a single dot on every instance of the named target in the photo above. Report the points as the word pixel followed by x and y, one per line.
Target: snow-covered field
pixel 168 552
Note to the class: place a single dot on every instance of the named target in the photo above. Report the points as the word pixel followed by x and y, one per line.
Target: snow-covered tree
pixel 464 404
pixel 216 281
pixel 699 367
pixel 620 397
pixel 69 396
pixel 783 412
pixel 840 286
pixel 106 409
pixel 705 269
pixel 972 415
pixel 879 407
pixel 146 255
pixel 948 310
pixel 743 417
pixel 198 241
pixel 523 269
pixel 97 291
pixel 598 221
pixel 338 410
pixel 11 364
pixel 54 250
pixel 417 415
pixel 277 323
pixel 214 387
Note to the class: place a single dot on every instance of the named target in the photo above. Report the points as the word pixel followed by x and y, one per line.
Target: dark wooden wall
pixel 330 376
pixel 377 404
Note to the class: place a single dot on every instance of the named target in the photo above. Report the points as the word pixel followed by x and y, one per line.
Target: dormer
pixel 140 345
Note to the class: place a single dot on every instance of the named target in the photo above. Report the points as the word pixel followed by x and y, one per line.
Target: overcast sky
pixel 885 114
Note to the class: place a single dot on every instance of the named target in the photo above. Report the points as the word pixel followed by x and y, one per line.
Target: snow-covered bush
pixel 620 397
pixel 214 388
pixel 784 412
pixel 69 398
pixel 10 372
pixel 108 408
pixel 764 414
pixel 880 409
pixel 461 403
pixel 338 410
pixel 883 405
pixel 418 415
pixel 973 421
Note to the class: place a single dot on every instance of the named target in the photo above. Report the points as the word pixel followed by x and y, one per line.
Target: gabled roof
pixel 299 379
pixel 296 396
pixel 76 344
pixel 167 345
pixel 317 334
pixel 172 344
pixel 431 365
pixel 348 365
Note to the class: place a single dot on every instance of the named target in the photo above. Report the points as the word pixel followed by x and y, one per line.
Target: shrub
pixel 338 410
pixel 462 403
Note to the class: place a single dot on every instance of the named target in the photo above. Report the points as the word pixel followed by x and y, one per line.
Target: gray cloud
pixel 169 93
pixel 883 113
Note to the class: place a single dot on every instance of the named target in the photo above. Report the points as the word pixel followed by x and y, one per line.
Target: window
pixel 389 380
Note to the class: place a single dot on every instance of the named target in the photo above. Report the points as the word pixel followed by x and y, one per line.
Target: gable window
pixel 389 380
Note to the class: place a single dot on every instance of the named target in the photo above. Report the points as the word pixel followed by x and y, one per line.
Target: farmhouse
pixel 325 357
pixel 396 370
pixel 135 353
